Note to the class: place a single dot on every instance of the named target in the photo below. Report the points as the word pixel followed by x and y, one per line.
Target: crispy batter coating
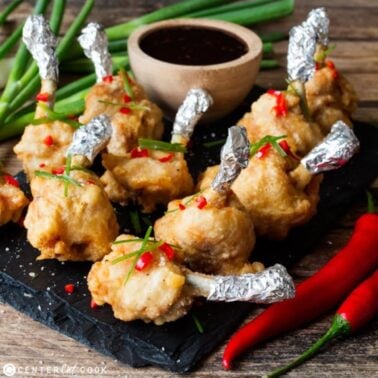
pixel 12 202
pixel 262 120
pixel 330 98
pixel 143 121
pixel 276 199
pixel 76 227
pixel 43 147
pixel 156 293
pixel 215 239
pixel 146 179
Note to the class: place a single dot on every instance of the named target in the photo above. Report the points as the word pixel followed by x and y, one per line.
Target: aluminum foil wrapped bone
pixel 196 103
pixel 274 284
pixel 92 138
pixel 94 43
pixel 337 148
pixel 301 51
pixel 41 42
pixel 319 21
pixel 234 158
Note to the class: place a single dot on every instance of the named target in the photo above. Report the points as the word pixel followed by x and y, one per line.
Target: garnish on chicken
pixel 133 116
pixel 214 232
pixel 70 217
pixel 156 172
pixel 143 279
pixel 45 141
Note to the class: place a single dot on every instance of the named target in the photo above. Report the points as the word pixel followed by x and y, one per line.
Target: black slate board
pixel 37 287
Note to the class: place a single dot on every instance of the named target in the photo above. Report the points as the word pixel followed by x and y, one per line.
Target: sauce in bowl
pixel 193 45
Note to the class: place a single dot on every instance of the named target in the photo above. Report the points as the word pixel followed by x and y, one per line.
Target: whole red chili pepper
pixel 356 311
pixel 316 295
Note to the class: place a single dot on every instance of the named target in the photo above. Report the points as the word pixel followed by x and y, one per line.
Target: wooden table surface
pixel 30 345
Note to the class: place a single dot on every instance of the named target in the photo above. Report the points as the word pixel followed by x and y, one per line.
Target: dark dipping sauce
pixel 193 45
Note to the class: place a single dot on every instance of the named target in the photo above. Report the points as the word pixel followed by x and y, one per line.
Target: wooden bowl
pixel 167 84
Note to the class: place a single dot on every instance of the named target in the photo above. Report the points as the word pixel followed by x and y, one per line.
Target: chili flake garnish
pixel 281 106
pixel 181 206
pixel 168 250
pixel 331 66
pixel 127 98
pixel 263 151
pixel 166 158
pixel 48 141
pixel 139 152
pixel 69 288
pixel 43 97
pixel 93 304
pixel 201 202
pixel 58 171
pixel 125 110
pixel 285 146
pixel 144 260
pixel 108 79
pixel 10 180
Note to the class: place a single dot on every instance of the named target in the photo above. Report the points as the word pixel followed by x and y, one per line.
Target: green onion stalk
pixel 30 81
pixel 8 10
pixel 22 57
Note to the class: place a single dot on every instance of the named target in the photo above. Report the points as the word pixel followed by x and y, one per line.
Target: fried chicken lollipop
pixel 12 199
pixel 330 96
pixel 279 193
pixel 70 217
pixel 133 115
pixel 142 279
pixel 44 142
pixel 156 172
pixel 214 232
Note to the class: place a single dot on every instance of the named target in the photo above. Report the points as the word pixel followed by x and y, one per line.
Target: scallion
pixel 8 10
pixel 160 145
pixel 268 139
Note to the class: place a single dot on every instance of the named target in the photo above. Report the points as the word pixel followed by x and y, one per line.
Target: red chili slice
pixel 58 171
pixel 181 206
pixel 281 106
pixel 69 288
pixel 144 260
pixel 90 181
pixel 125 111
pixel 201 202
pixel 10 180
pixel 285 146
pixel 43 97
pixel 108 79
pixel 48 141
pixel 168 250
pixel 139 152
pixel 42 165
pixel 331 66
pixel 263 151
pixel 166 159
pixel 93 304
pixel 127 98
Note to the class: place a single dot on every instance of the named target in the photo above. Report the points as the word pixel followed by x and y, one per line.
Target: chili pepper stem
pixel 339 327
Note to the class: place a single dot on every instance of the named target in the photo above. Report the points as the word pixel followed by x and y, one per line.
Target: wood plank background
pixel 354 29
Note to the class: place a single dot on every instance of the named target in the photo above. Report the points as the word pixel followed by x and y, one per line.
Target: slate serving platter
pixel 37 287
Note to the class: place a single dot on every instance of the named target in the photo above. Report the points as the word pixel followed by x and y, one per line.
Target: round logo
pixel 9 370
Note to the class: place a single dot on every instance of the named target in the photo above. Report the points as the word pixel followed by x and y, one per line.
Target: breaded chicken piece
pixel 273 198
pixel 142 120
pixel 147 180
pixel 12 201
pixel 157 293
pixel 79 226
pixel 43 147
pixel 213 232
pixel 330 98
pixel 263 120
